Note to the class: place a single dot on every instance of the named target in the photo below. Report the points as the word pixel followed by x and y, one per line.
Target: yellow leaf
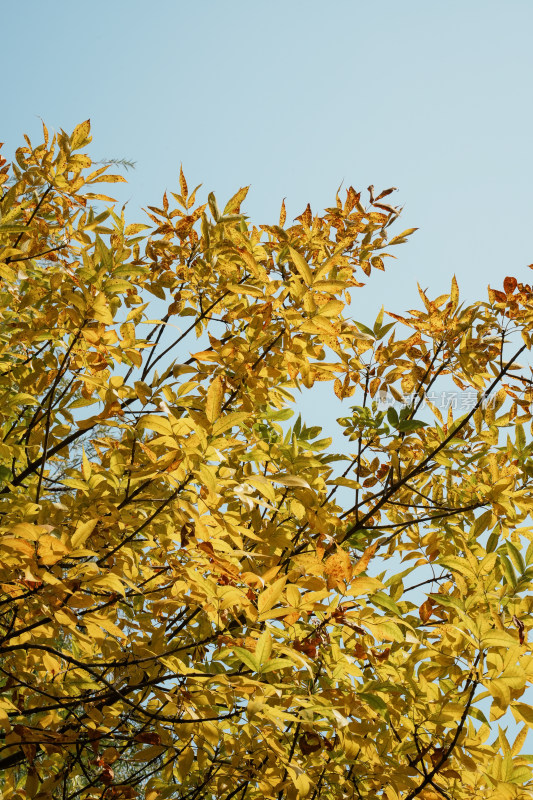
pixel 110 179
pixel 293 595
pixel 513 679
pixel 523 712
pixel 271 595
pixel 50 550
pixel 302 782
pixel 157 424
pixel 391 793
pixel 144 392
pixel 245 288
pixel 137 227
pixel 109 581
pixel 333 287
pixel 100 309
pixel 104 623
pixel 263 485
pixel 17 544
pixel 228 422
pixel 364 585
pixel 401 236
pixel 136 312
pixel 454 295
pixel 208 478
pixel 65 617
pixel 498 638
pixel 27 531
pixel 206 355
pixel 282 214
pixel 332 308
pixel 318 325
pixel 184 189
pixel 85 465
pixel 247 658
pixel 97 196
pixel 185 762
pixel 213 402
pixel 302 266
pixel 233 206
pixel 255 268
pixel 263 647
pixel 384 629
pixel 82 533
pixel 80 135
pixel 521 737
pixel 289 480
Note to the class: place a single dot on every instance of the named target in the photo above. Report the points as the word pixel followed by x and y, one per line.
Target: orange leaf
pixel 509 284
pixel 183 185
pixel 363 562
pixel 338 567
pixel 426 609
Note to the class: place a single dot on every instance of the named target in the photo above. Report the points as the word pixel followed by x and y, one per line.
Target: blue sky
pixel 296 97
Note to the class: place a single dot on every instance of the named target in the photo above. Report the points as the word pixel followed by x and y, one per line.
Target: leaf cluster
pixel 195 601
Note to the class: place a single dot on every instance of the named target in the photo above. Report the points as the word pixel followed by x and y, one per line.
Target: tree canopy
pixel 199 598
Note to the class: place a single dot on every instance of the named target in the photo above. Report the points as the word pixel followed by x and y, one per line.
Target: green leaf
pixel 392 416
pixel 386 602
pixel 520 437
pixel 281 415
pixel 516 557
pixel 383 330
pixel 448 601
pixel 375 702
pixel 364 329
pixel 409 425
pixel 247 658
pixel 276 663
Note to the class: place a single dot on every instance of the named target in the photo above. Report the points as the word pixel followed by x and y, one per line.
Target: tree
pixel 200 599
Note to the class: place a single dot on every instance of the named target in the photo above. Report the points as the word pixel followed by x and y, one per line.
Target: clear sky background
pixel 295 97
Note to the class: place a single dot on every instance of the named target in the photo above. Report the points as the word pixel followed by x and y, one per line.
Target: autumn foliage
pixel 199 599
